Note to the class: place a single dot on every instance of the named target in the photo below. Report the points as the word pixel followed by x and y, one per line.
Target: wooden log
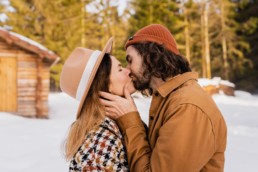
pixel 211 89
pixel 45 88
pixel 42 108
pixel 24 91
pixel 26 94
pixel 26 53
pixel 28 114
pixel 228 90
pixel 45 77
pixel 26 82
pixel 29 89
pixel 28 73
pixel 23 115
pixel 27 57
pixel 21 102
pixel 26 77
pixel 28 102
pixel 42 98
pixel 26 69
pixel 3 54
pixel 26 64
pixel 26 98
pixel 8 50
pixel 26 85
pixel 43 94
pixel 28 109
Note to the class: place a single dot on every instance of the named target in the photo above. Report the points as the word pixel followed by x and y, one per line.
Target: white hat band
pixel 86 74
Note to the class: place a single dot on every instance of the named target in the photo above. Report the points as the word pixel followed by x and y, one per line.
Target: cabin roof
pixel 28 44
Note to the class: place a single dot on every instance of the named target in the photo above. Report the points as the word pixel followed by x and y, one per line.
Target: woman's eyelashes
pixel 120 68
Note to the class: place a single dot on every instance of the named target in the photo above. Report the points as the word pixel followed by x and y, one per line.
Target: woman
pixel 94 142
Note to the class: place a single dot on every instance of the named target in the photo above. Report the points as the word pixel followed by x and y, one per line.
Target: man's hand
pixel 117 106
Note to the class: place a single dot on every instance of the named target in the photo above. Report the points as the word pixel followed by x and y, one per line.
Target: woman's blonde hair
pixel 92 113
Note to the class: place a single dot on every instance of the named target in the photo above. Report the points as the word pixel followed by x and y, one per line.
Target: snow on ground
pixel 214 81
pixel 241 115
pixel 29 145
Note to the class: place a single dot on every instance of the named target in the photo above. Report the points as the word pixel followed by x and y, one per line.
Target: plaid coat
pixel 102 150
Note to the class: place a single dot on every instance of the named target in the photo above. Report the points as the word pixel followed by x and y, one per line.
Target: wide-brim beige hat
pixel 79 71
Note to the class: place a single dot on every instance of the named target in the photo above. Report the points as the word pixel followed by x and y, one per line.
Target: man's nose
pixel 128 67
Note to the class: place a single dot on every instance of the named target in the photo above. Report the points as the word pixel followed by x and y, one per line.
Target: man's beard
pixel 140 82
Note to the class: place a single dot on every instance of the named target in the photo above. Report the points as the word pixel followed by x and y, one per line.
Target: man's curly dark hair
pixel 160 62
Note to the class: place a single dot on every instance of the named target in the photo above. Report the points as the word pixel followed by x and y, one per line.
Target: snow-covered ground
pixel 29 145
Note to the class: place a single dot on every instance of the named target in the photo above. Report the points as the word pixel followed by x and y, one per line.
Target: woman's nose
pixel 127 71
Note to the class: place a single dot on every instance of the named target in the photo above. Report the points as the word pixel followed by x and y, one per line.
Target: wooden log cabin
pixel 24 75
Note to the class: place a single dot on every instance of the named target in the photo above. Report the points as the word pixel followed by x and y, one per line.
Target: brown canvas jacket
pixel 187 132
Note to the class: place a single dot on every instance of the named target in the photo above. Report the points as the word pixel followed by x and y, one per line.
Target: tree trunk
pixel 205 41
pixel 204 73
pixel 83 43
pixel 151 12
pixel 187 38
pixel 224 42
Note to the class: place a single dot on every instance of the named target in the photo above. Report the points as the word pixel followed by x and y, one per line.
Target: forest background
pixel 218 37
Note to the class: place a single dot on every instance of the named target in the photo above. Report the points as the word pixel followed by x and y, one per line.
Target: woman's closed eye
pixel 120 68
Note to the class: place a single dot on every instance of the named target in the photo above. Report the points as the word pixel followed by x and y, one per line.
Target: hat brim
pixel 107 49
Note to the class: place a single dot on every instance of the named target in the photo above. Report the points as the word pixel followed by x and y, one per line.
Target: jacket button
pixel 156 93
pixel 151 117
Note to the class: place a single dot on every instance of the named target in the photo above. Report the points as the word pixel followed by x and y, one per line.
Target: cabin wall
pixel 27 82
pixel 43 76
pixel 32 81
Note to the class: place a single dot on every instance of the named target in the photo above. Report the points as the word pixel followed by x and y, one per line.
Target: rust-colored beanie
pixel 154 33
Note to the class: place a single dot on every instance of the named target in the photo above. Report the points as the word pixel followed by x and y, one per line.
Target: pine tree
pixel 54 24
pixel 192 35
pixel 166 12
pixel 227 46
pixel 247 17
pixel 2 11
pixel 105 22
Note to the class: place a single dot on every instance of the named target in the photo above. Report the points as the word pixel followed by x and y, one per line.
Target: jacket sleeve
pixel 185 141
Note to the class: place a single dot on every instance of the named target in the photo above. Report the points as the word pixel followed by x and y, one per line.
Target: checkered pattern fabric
pixel 102 150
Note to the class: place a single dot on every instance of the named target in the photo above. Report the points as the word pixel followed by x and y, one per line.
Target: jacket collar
pixel 176 82
pixel 111 126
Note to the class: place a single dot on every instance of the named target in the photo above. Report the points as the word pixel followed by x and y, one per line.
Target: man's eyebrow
pixel 119 65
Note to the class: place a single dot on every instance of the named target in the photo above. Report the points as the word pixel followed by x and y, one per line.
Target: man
pixel 187 132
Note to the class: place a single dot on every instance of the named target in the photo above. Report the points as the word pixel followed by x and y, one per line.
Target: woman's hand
pixel 117 106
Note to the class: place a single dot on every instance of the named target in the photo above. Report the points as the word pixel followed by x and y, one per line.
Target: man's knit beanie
pixel 154 33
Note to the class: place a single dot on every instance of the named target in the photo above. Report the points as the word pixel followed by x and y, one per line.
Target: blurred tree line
pixel 218 37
